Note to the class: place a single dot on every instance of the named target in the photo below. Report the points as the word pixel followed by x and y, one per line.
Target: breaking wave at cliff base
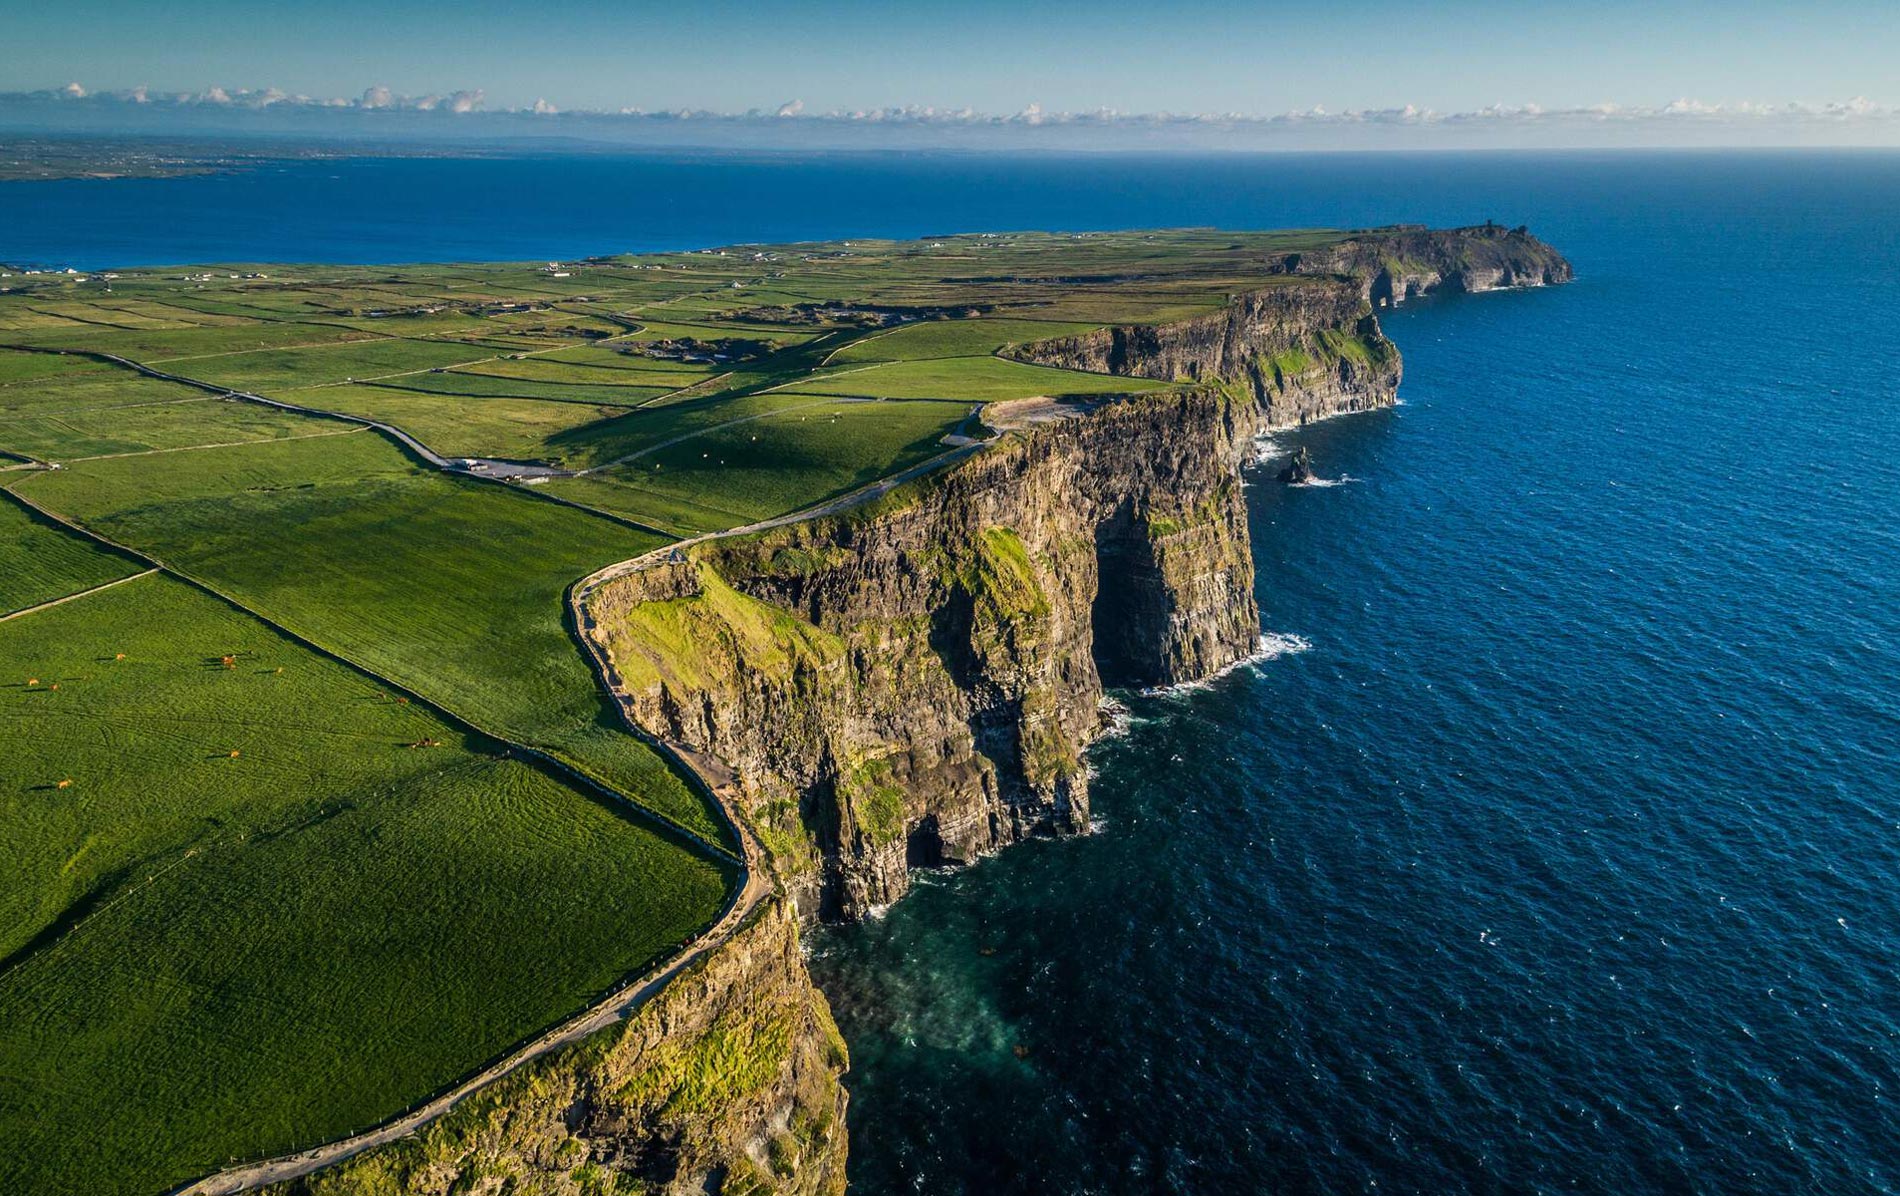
pixel 1273 645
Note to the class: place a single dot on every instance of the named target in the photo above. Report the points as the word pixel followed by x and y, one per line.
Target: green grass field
pixel 241 914
pixel 170 345
pixel 268 370
pixel 455 382
pixel 17 367
pixel 164 426
pixel 798 455
pixel 461 425
pixel 974 379
pixel 41 561
pixel 99 388
pixel 952 338
pixel 452 587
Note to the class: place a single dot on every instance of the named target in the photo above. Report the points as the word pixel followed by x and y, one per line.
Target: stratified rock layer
pixel 1304 349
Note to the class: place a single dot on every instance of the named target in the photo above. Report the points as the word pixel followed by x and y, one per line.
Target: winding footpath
pixel 118 581
pixel 755 885
pixel 755 881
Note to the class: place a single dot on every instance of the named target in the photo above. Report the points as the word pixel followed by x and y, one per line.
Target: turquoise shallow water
pixel 1565 857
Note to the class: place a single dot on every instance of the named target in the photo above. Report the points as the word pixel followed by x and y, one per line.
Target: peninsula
pixel 443 691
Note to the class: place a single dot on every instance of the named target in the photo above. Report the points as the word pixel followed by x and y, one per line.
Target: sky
pixel 1436 62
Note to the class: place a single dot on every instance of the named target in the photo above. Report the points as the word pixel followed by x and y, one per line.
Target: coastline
pixel 785 872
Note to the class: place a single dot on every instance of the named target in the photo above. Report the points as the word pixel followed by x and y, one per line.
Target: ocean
pixel 1556 848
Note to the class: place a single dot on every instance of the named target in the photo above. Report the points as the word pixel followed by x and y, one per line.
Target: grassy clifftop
pixel 258 909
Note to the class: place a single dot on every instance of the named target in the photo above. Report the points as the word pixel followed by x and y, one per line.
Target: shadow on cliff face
pixel 1128 600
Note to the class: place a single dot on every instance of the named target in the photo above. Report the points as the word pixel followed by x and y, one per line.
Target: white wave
pixel 1323 483
pixel 1266 448
pixel 1115 719
pixel 1273 645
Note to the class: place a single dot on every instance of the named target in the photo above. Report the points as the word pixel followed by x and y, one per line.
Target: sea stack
pixel 1300 471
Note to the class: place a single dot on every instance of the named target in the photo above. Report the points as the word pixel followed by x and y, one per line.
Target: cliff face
pixel 1394 264
pixel 1305 348
pixel 914 683
pixel 1311 347
pixel 726 1082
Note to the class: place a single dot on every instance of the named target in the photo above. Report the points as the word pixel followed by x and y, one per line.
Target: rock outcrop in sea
pixel 1299 471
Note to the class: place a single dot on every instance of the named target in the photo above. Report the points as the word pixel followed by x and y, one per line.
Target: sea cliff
pixel 1303 349
pixel 913 682
pixel 1310 346
pixel 1391 265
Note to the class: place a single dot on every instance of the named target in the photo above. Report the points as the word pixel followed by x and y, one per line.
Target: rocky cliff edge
pixel 913 683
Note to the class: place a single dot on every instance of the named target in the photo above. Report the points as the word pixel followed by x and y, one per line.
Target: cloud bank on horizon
pixel 380 112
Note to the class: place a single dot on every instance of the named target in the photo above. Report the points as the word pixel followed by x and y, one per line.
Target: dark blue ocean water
pixel 1564 857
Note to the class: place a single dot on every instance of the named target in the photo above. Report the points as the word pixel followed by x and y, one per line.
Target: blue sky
pixel 993 57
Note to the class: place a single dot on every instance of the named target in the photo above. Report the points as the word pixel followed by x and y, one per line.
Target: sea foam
pixel 1273 645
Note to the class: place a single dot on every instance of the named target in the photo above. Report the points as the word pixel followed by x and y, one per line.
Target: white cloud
pixel 1686 119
